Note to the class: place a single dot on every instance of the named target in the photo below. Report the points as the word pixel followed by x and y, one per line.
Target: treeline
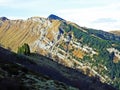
pixel 99 41
pixel 103 34
pixel 88 38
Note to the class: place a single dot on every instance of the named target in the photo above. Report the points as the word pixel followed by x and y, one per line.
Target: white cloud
pixel 87 16
pixel 7 2
pixel 105 20
pixel 18 3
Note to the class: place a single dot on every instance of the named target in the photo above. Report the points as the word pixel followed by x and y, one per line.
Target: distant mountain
pixel 103 34
pixel 93 52
pixel 117 32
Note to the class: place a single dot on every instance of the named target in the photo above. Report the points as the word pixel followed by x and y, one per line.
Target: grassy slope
pixel 46 66
pixel 15 33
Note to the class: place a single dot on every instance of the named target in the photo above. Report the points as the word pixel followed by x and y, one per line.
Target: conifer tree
pixel 24 49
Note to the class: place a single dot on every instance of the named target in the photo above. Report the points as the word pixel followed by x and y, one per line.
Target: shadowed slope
pixel 55 71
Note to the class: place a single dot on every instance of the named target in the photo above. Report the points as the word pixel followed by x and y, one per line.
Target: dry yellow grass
pixel 117 32
pixel 16 34
pixel 116 59
pixel 50 35
pixel 78 53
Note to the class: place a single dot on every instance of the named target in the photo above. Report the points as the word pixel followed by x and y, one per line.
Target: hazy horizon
pixel 103 14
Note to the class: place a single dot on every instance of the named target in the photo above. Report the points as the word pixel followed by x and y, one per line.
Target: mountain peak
pixel 3 18
pixel 52 16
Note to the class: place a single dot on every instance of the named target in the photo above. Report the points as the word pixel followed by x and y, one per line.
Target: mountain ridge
pixel 90 51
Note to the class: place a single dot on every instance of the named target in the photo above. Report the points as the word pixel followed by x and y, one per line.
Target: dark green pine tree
pixel 24 49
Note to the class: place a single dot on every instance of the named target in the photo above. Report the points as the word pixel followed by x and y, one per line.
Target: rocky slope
pixel 93 52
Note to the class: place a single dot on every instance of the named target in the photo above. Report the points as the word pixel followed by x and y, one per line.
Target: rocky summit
pixel 93 52
pixel 52 16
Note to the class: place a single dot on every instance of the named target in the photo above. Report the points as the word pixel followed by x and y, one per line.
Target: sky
pixel 97 14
